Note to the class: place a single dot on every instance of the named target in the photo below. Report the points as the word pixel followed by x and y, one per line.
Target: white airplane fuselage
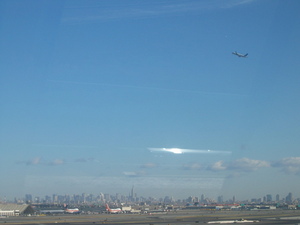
pixel 117 210
pixel 74 211
pixel 240 55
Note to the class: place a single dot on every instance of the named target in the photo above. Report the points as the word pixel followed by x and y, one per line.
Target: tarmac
pixel 183 217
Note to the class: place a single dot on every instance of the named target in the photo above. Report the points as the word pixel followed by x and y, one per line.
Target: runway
pixel 183 217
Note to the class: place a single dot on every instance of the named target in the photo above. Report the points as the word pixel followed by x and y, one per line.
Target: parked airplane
pixel 235 221
pixel 52 211
pixel 117 210
pixel 73 211
pixel 60 211
pixel 239 54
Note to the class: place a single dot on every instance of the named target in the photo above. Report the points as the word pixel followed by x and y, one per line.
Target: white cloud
pixel 94 13
pixel 81 160
pixel 149 165
pixel 290 165
pixel 239 165
pixel 217 166
pixel 85 160
pixel 57 162
pixel 231 4
pixel 192 166
pixel 246 164
pixel 34 161
pixel 39 161
pixel 130 174
pixel 133 173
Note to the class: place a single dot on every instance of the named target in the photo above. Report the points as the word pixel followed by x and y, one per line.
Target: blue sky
pixel 87 87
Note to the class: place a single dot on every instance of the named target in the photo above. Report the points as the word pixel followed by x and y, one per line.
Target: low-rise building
pixel 15 209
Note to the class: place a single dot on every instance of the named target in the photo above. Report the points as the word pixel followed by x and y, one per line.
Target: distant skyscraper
pixel 277 198
pixel 167 199
pixel 107 197
pixel 269 198
pixel 264 199
pixel 132 193
pixel 220 199
pixel 118 196
pixel 28 198
pixel 47 199
pixel 190 199
pixel 54 198
pixel 289 198
pixel 202 198
pixel 233 199
pixel 37 199
pixel 83 197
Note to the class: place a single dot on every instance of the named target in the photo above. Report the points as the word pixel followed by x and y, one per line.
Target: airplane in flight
pixel 240 55
pixel 117 210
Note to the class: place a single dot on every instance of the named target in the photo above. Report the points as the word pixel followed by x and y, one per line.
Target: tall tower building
pixel 101 196
pixel 277 198
pixel 220 199
pixel 202 198
pixel 289 198
pixel 54 198
pixel 107 197
pixel 132 194
pixel 28 198
pixel 269 198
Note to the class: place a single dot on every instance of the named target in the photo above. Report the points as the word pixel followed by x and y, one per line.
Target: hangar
pixel 9 209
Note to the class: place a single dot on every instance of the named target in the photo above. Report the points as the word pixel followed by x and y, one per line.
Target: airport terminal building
pixel 15 209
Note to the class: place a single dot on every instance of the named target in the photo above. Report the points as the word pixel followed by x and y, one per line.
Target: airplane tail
pixel 107 207
pixel 246 54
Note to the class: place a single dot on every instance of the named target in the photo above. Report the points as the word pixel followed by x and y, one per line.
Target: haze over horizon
pixel 98 96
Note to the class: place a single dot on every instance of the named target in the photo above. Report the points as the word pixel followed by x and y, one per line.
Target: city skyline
pixel 106 95
pixel 134 197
